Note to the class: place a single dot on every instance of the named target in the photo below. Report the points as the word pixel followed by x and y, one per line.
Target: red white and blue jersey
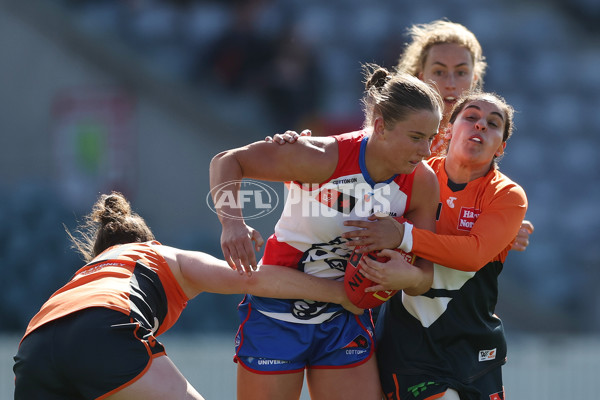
pixel 308 233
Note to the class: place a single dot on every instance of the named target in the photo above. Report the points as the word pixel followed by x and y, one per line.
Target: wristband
pixel 407 239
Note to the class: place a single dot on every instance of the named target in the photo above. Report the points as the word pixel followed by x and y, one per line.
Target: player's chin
pixel 410 167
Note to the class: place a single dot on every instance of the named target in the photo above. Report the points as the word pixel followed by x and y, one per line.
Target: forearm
pixel 287 283
pixel 225 177
pixel 422 278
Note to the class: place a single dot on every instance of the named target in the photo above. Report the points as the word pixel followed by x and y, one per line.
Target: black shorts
pixel 85 355
pixel 425 387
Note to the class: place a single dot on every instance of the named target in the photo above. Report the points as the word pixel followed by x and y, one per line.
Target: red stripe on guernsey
pixel 281 253
pixel 406 182
pixel 240 331
pixel 347 145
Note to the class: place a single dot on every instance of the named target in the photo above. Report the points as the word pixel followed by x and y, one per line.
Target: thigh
pixel 161 381
pixel 360 382
pixel 266 345
pixel 257 386
pixel 450 394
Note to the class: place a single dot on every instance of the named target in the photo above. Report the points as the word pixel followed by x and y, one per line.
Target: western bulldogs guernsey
pixel 452 331
pixel 308 233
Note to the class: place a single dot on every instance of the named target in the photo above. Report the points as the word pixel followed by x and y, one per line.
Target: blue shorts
pixel 84 355
pixel 271 346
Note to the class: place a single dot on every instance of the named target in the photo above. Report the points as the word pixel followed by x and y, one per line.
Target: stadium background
pixel 139 95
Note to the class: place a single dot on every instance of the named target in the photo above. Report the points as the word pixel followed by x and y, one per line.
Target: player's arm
pixel 492 233
pixel 198 272
pixel 311 160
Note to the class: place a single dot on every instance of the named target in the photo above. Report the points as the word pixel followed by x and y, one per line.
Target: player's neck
pixel 464 172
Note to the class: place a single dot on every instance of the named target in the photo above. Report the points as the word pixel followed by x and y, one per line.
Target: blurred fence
pixel 545 367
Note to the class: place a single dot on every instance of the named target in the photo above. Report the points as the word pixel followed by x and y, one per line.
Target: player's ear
pixel 500 150
pixel 378 126
pixel 448 131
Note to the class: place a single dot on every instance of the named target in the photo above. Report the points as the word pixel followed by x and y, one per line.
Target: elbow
pixel 224 166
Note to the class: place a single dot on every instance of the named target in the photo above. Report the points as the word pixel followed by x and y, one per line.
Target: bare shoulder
pixel 167 252
pixel 425 197
pixel 425 174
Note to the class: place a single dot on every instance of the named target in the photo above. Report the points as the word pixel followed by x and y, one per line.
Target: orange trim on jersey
pixel 396 385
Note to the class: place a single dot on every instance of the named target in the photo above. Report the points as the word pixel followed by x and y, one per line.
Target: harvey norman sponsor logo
pixel 467 218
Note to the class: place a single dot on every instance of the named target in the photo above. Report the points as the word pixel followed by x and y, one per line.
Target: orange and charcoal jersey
pixel 133 279
pixel 452 329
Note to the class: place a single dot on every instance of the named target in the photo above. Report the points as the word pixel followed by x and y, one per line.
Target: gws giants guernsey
pixel 308 233
pixel 133 279
pixel 452 330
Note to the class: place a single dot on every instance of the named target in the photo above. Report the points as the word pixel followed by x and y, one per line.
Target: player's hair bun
pixel 111 208
pixel 378 78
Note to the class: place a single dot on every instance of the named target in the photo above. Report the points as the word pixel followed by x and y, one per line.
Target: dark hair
pixel 395 95
pixel 111 222
pixel 490 97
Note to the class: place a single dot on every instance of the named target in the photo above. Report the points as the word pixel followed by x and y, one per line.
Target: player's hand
pixel 379 232
pixel 522 240
pixel 394 274
pixel 287 137
pixel 239 243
